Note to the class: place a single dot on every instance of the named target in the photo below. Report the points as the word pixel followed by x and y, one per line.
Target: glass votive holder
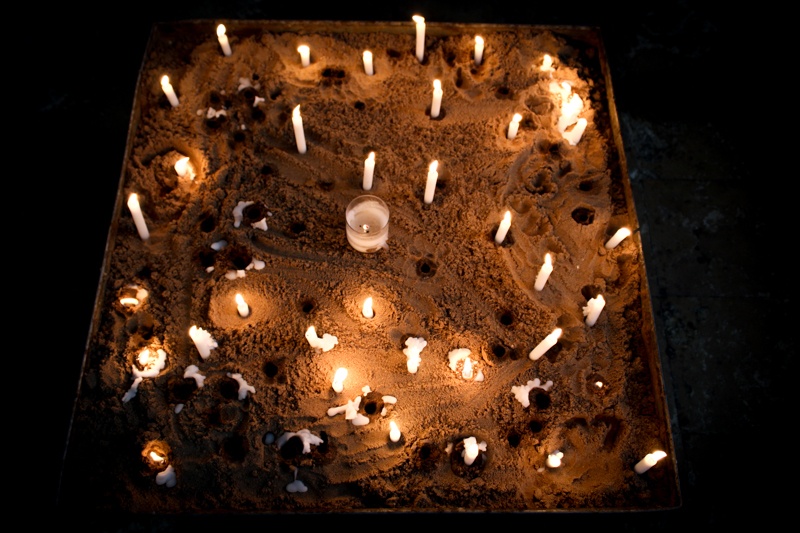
pixel 367 218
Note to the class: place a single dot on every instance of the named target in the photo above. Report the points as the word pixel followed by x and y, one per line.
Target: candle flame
pixel 547 259
pixel 418 19
pixel 394 431
pixel 157 458
pixel 338 379
pixel 129 301
pixel 164 80
pixel 367 309
pixel 296 112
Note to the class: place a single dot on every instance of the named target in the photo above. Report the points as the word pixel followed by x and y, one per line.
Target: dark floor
pixel 697 103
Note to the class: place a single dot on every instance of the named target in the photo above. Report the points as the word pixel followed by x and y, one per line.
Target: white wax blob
pixel 326 342
pixel 203 341
pixel 522 392
pixel 471 449
pixel 244 387
pixel 414 346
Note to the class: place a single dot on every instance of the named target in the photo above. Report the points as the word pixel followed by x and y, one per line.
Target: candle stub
pixel 478 50
pixel 368 66
pixel 305 54
pixel 367 223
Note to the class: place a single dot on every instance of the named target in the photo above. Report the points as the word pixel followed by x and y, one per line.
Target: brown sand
pixel 442 278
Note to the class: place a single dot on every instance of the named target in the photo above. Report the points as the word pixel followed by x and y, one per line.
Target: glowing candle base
pixel 367 220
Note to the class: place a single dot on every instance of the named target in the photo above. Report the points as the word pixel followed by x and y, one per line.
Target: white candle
pixel 369 170
pixel 169 91
pixel 367 223
pixel 544 273
pixel 394 431
pixel 367 310
pixel 554 459
pixel 545 345
pixel 430 184
pixel 547 63
pixel 478 50
pixel 338 379
pixel 138 219
pixel 592 309
pixel 305 54
pixel 420 22
pixel 436 104
pixel 223 40
pixel 649 461
pixel 241 306
pixel 368 68
pixel 503 229
pixel 513 126
pixel 617 238
pixel 184 168
pixel 299 134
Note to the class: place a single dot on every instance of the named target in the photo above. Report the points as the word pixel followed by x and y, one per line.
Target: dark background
pixel 701 113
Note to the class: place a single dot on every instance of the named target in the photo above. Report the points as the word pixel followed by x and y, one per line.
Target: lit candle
pixel 513 126
pixel 367 309
pixel 184 168
pixel 299 134
pixel 545 345
pixel 436 104
pixel 394 431
pixel 554 459
pixel 547 63
pixel 430 184
pixel 223 40
pixel 367 223
pixel 478 50
pixel 169 91
pixel 503 229
pixel 338 379
pixel 544 273
pixel 368 68
pixel 138 219
pixel 369 170
pixel 649 461
pixel 617 238
pixel 420 22
pixel 305 54
pixel 592 309
pixel 241 306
